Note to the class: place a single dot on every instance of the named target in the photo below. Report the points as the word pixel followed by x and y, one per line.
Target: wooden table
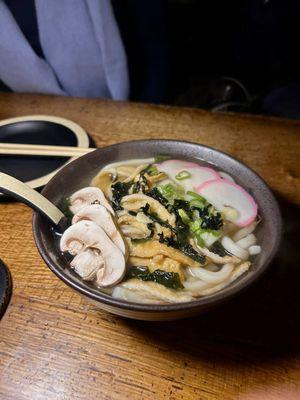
pixel 56 345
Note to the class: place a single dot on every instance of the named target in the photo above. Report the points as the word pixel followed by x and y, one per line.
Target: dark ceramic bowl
pixel 79 173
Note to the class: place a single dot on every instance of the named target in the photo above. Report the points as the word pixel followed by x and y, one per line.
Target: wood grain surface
pixel 56 345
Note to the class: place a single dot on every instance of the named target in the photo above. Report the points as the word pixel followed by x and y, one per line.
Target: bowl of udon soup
pixel 159 229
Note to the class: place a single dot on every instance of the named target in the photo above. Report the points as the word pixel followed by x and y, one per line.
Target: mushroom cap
pixel 88 196
pixel 99 214
pixel 88 235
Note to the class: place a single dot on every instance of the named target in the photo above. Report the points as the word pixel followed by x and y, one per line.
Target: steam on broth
pixel 161 231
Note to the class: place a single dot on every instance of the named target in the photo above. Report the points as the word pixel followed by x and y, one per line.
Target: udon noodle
pixel 161 231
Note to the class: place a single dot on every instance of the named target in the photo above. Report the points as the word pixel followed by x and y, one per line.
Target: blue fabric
pixel 84 54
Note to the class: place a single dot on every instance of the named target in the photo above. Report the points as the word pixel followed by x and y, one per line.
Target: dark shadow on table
pixel 262 322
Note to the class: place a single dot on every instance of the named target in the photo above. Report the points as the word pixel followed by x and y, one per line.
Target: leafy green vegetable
pixel 183 215
pixel 197 200
pixel 171 191
pixel 168 279
pixel 184 205
pixel 210 218
pixel 119 190
pixel 160 158
pixel 183 175
pixel 64 206
pixel 204 237
pixel 152 170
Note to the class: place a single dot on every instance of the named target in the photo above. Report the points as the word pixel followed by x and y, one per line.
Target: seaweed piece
pixel 210 219
pixel 141 185
pixel 151 170
pixel 133 213
pixel 168 279
pixel 219 249
pixel 145 209
pixel 64 206
pixel 184 247
pixel 156 195
pixel 119 190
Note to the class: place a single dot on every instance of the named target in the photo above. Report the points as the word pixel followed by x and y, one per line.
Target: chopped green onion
pixel 152 170
pixel 183 175
pixel 197 200
pixel 170 191
pixel 183 215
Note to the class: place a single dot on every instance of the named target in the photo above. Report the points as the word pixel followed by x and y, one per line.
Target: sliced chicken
pixel 88 235
pixel 100 215
pixel 87 196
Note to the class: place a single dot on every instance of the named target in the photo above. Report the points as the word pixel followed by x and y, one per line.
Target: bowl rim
pixel 202 302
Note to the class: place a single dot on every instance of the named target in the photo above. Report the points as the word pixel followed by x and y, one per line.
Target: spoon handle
pixel 22 192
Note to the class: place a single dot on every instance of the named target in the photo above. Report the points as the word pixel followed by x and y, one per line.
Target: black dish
pixel 5 288
pixel 43 130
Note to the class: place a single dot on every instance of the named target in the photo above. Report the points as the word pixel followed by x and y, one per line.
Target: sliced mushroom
pixel 88 235
pixel 134 202
pixel 88 196
pixel 87 263
pixel 153 248
pixel 100 215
